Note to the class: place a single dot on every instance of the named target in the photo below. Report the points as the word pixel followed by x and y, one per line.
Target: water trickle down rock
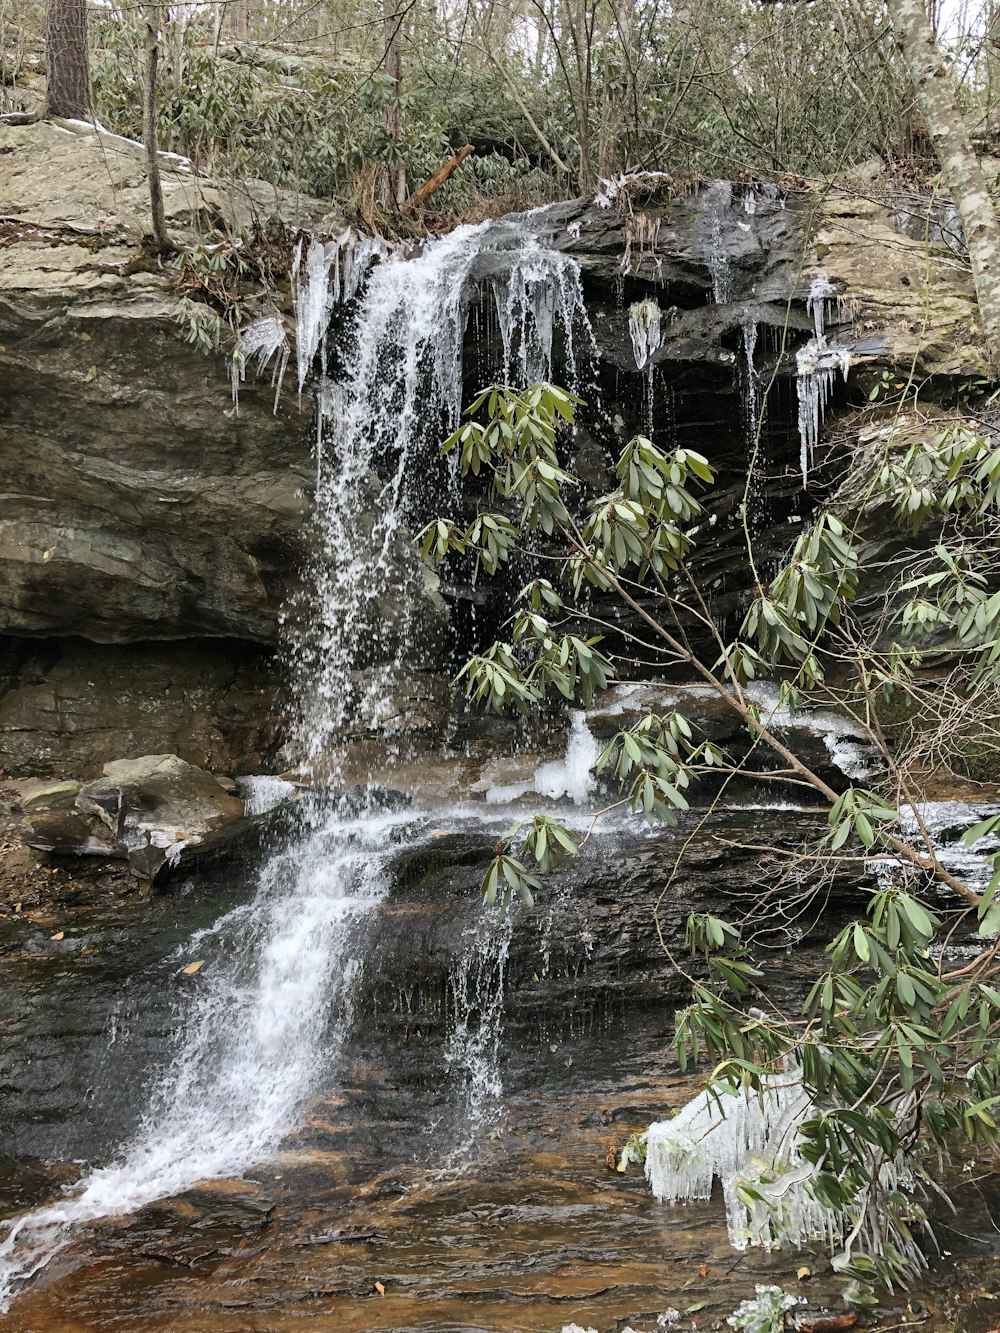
pixel 753 430
pixel 477 988
pixel 816 365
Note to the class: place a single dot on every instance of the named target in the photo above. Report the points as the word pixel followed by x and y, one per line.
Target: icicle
pixel 816 364
pixel 332 275
pixel 264 339
pixel 821 292
pixel 313 303
pixel 644 329
pixel 541 288
pixel 752 1139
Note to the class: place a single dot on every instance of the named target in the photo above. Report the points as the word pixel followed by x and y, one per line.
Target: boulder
pixel 154 812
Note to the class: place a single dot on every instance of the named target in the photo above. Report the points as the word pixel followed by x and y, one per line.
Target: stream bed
pixel 450 1170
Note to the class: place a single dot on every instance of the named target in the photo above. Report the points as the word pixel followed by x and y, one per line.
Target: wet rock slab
pixel 514 1225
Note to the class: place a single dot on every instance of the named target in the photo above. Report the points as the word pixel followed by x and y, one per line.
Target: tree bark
pixel 434 183
pixel 67 67
pixel 149 127
pixel 393 190
pixel 935 89
pixel 239 13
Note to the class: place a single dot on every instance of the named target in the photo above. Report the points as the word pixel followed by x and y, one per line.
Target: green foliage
pixel 311 124
pixel 202 327
pixel 543 842
pixel 806 597
pixel 895 1050
pixel 765 1313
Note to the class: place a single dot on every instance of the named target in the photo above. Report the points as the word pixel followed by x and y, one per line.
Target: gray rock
pixel 154 812
pixel 37 797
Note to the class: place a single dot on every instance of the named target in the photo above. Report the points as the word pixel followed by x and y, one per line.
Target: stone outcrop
pixel 137 503
pixel 68 705
pixel 155 812
pixel 151 532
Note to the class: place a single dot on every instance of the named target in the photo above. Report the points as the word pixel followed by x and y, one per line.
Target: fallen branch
pixel 429 187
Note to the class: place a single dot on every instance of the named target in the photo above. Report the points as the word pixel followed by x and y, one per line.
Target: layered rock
pixel 139 506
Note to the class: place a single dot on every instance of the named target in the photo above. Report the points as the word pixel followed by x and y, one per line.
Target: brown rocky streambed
pixel 463 1170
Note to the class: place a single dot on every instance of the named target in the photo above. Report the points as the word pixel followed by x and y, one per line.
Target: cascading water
pixel 262 1032
pixel 477 990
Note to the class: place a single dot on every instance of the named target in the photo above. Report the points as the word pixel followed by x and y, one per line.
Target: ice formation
pixel 610 189
pixel 571 776
pixel 644 329
pixel 264 339
pixel 815 366
pixel 261 793
pixel 325 274
pixel 752 1139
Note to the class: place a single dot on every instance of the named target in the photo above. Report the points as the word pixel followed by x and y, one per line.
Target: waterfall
pixel 379 435
pixel 268 1011
pixel 477 987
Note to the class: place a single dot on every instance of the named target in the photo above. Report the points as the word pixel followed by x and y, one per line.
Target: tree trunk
pixel 239 13
pixel 149 127
pixel 960 170
pixel 66 64
pixel 393 188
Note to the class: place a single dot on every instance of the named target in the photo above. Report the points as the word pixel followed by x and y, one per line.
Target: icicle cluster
pixel 816 365
pixel 751 1139
pixel 329 273
pixel 644 327
pixel 540 290
pixel 264 339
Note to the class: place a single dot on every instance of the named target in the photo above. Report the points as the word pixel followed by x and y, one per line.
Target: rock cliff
pixel 150 532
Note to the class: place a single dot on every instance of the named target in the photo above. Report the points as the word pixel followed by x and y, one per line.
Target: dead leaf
pixel 611 1159
pixel 85 337
pixel 91 375
pixel 18 906
pixel 830 1323
pixel 379 1288
pixel 192 968
pixel 803 1272
pixel 703 1271
pixel 60 934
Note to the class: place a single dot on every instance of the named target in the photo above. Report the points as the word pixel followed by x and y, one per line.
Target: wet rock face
pixel 68 706
pixel 592 950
